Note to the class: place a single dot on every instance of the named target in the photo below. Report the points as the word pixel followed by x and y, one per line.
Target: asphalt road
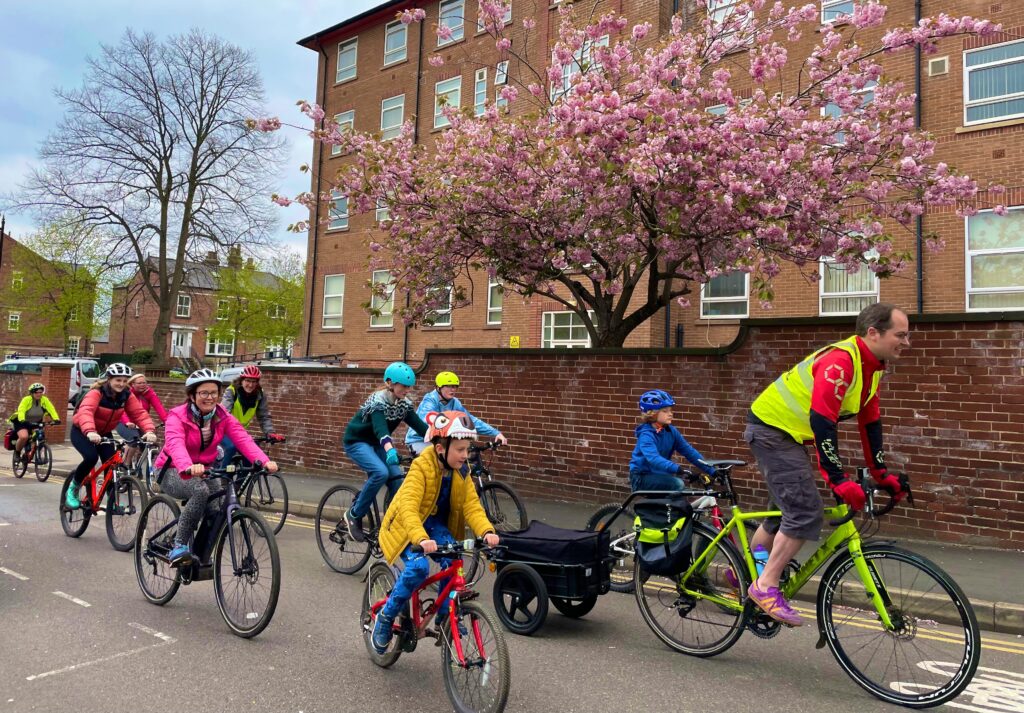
pixel 121 653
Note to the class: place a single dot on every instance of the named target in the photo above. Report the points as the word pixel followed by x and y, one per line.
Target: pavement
pixel 992 579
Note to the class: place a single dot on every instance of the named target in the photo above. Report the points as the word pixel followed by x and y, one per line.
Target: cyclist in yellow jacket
pixel 244 400
pixel 31 411
pixel 805 405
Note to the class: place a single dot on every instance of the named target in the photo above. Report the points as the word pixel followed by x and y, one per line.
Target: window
pixel 581 63
pixel 382 307
pixel 725 296
pixel 395 36
pixel 480 92
pixel 505 19
pixel 499 101
pixel 844 292
pixel 334 301
pixel 833 110
pixel 277 312
pixel 223 310
pixel 501 72
pixel 495 300
pixel 338 212
pixel 441 316
pixel 392 114
pixel 14 321
pixel 184 306
pixel 721 11
pixel 347 52
pixel 446 93
pixel 994 83
pixel 832 9
pixel 73 346
pixel 995 261
pixel 383 212
pixel 138 308
pixel 564 330
pixel 219 346
pixel 347 121
pixel 452 16
pixel 17 280
pixel 73 313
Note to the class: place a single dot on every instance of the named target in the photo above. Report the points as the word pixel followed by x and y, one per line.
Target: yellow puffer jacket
pixel 416 500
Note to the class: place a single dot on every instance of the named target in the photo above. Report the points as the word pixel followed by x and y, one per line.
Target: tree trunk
pixel 160 332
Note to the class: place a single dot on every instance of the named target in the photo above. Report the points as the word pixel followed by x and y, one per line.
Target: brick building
pixel 134 313
pixel 20 332
pixel 374 73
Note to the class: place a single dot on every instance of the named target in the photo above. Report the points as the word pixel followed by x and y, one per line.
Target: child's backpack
pixel 664 528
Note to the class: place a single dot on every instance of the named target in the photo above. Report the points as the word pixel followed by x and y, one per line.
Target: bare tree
pixel 154 148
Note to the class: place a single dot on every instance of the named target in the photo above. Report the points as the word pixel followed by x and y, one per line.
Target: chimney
pixel 211 259
pixel 250 265
pixel 235 257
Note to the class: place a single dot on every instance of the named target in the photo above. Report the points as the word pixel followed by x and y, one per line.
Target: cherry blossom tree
pixel 605 183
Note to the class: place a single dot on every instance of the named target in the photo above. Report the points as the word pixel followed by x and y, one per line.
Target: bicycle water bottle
pixel 760 558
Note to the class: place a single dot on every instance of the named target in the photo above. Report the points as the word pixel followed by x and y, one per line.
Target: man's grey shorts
pixel 790 478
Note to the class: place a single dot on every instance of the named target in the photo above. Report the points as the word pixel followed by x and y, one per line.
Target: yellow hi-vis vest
pixel 786 403
pixel 236 409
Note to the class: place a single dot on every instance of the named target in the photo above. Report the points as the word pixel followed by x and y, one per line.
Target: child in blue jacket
pixel 651 466
pixel 443 398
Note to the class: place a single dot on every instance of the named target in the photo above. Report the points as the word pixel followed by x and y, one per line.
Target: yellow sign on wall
pixel 513 342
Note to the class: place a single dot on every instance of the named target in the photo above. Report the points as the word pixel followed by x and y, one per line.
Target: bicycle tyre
pixel 122 526
pixel 18 465
pixel 158 512
pixel 489 669
pixel 379 583
pixel 839 601
pixel 74 522
pixel 43 462
pixel 622 568
pixel 255 550
pixel 340 551
pixel 688 624
pixel 520 598
pixel 268 495
pixel 575 608
pixel 503 506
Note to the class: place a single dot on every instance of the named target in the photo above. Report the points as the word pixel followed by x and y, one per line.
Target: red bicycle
pixel 125 499
pixel 474 657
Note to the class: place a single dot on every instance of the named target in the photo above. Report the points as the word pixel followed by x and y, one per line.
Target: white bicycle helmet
pixel 118 369
pixel 201 376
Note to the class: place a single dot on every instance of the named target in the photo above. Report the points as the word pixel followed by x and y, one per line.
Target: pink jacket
pixel 149 401
pixel 182 440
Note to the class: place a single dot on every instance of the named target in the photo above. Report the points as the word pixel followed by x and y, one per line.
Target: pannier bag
pixel 541 542
pixel 664 528
pixel 9 439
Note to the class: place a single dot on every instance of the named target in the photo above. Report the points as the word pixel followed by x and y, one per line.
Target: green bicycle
pixel 886 614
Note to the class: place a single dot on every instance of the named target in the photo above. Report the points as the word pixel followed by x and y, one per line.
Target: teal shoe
pixel 71 499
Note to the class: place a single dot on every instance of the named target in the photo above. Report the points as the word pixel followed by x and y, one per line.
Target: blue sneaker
pixel 382 633
pixel 180 556
pixel 71 499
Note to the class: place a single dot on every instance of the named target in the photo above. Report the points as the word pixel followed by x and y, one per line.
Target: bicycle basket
pixel 664 528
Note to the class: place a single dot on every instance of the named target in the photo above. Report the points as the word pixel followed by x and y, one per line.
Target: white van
pixel 83 371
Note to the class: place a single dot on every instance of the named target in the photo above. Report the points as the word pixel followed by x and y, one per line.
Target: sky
pixel 44 45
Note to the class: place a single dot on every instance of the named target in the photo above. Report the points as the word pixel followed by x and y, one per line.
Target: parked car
pixel 83 371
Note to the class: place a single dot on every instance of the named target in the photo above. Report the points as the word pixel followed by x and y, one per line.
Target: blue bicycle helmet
pixel 655 399
pixel 399 372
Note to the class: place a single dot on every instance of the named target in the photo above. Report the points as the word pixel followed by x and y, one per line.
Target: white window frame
pixel 337 219
pixel 382 212
pixel 827 6
pixel 491 309
pixel 73 314
pixel 223 310
pixel 277 311
pixel 448 18
pixel 501 73
pixel 390 131
pixel 14 321
pixel 386 319
pixel 840 138
pixel 390 29
pixel 183 309
pixel 340 297
pixel 345 120
pixel 506 18
pixel 730 299
pixel 347 72
pixel 969 277
pixel 73 352
pixel 138 308
pixel 827 263
pixel 968 104
pixel 440 120
pixel 441 317
pixel 548 327
pixel 480 91
pixel 17 280
pixel 583 56
pixel 216 346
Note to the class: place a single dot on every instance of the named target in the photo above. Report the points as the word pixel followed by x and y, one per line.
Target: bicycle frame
pixel 107 467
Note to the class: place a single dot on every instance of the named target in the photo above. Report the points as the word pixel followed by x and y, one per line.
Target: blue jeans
pixel 417 569
pixel 229 448
pixel 654 481
pixel 378 474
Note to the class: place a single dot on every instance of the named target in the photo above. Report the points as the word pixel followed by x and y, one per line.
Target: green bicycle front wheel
pixel 933 650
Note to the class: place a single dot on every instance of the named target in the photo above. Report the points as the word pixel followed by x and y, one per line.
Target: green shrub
pixel 142 356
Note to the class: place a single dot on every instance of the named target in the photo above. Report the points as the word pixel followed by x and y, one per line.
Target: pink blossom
pixel 503 44
pixel 267 124
pixel 412 15
pixel 1000 210
pixel 280 200
pixel 435 60
pixel 444 32
pixel 640 31
pixel 529 23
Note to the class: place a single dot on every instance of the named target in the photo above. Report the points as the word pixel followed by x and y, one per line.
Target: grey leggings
pixel 196 491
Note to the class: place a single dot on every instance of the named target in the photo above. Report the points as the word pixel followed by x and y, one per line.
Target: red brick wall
pixel 14 387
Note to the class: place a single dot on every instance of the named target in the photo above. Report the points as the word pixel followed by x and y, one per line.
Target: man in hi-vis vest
pixel 805 405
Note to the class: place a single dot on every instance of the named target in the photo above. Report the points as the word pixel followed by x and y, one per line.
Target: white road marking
pixel 6 485
pixel 5 524
pixel 76 600
pixel 14 574
pixel 164 641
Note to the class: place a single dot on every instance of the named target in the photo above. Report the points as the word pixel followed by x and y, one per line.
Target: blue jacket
pixel 432 402
pixel 654 449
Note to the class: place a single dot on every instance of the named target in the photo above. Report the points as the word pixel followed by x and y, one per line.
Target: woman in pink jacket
pixel 150 401
pixel 191 434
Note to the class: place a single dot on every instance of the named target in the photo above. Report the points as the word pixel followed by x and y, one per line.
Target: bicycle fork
pixel 875 588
